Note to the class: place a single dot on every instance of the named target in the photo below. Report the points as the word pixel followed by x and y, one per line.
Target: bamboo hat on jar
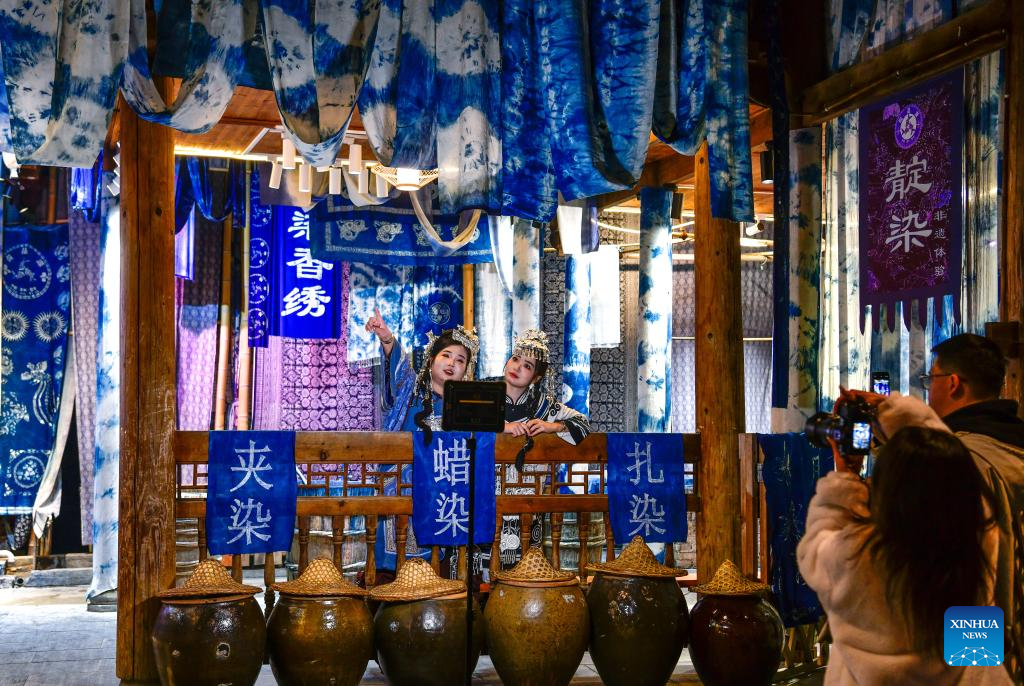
pixel 320 580
pixel 416 580
pixel 535 570
pixel 729 581
pixel 208 580
pixel 636 559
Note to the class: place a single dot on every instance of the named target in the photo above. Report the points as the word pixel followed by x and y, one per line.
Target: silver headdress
pixel 531 343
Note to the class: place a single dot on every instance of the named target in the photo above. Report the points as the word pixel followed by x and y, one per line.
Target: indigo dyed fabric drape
pixel 215 61
pixel 654 337
pixel 493 321
pixel 62 62
pixel 85 239
pixel 35 318
pixel 795 380
pixel 318 54
pixel 578 334
pixel 196 186
pixel 711 91
pixel 389 289
pixel 107 458
pixel 792 467
pixel 525 276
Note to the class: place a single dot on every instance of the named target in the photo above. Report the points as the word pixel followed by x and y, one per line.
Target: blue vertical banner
pixel 438 292
pixel 34 324
pixel 260 266
pixel 645 487
pixel 440 494
pixel 305 291
pixel 250 502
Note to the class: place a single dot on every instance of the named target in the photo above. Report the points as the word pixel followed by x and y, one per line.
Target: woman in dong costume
pixel 530 408
pixel 412 401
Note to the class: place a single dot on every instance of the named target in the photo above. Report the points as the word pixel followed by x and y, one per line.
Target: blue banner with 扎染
pixel 440 494
pixel 646 495
pixel 250 501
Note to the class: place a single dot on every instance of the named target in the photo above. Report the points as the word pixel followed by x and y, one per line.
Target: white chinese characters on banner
pixel 451 465
pixel 906 231
pixel 645 514
pixel 251 518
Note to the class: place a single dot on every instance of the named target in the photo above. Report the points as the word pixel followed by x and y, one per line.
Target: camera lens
pixel 822 427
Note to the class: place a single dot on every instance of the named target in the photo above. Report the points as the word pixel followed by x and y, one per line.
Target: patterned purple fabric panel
pixel 197 330
pixel 307 385
pixel 85 297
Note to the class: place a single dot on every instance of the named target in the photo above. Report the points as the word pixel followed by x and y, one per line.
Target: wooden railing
pixel 344 474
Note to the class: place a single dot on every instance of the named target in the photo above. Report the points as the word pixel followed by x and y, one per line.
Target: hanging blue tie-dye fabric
pixel 62 62
pixel 305 293
pixel 34 324
pixel 86 190
pixel 578 334
pixel 318 54
pixel 526 241
pixel 389 234
pixel 791 471
pixel 438 292
pixel 653 354
pixel 194 187
pixel 710 99
pixel 174 30
pixel 389 289
pixel 214 57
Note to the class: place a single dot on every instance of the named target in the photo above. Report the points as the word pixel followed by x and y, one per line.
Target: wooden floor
pixel 48 639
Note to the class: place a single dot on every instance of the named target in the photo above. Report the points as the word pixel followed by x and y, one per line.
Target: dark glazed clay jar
pixel 320 631
pixel 423 642
pixel 639 624
pixel 420 628
pixel 537 624
pixel 209 632
pixel 736 636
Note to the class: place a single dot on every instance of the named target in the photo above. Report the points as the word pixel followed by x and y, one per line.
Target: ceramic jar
pixel 420 628
pixel 736 636
pixel 320 631
pixel 209 632
pixel 423 642
pixel 537 624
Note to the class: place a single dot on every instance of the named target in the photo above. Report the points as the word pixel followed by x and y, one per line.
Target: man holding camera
pixel 963 388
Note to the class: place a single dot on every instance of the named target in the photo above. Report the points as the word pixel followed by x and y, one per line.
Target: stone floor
pixel 48 639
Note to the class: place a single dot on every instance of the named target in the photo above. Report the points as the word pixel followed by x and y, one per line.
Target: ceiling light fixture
pixel 334 181
pixel 355 159
pixel 305 179
pixel 275 176
pixel 405 179
pixel 287 153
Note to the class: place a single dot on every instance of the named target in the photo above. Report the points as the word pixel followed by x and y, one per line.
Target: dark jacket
pixel 995 418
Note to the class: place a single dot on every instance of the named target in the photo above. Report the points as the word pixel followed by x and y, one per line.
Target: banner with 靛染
pixel 910 208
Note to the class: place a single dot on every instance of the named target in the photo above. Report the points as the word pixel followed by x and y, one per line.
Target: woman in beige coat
pixel 887 562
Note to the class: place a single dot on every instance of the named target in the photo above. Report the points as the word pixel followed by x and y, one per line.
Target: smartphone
pixel 880 383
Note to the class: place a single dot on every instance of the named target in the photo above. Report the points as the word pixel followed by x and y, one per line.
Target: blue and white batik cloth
pixel 34 324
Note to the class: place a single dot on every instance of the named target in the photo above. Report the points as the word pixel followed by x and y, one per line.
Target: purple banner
pixel 910 198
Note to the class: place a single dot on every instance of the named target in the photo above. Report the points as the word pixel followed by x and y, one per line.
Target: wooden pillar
pixel 468 296
pixel 220 408
pixel 146 518
pixel 1011 299
pixel 719 376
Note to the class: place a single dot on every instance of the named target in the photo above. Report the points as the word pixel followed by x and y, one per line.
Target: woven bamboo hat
pixel 535 570
pixel 321 579
pixel 208 580
pixel 729 581
pixel 636 559
pixel 416 580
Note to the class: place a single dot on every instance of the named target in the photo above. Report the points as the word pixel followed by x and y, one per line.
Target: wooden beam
pixel 680 168
pixel 976 33
pixel 146 537
pixel 719 376
pixel 1011 240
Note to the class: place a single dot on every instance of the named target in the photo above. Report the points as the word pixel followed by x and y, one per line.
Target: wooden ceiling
pixel 251 117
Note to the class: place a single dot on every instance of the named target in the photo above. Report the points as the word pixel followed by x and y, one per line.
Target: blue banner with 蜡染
pixel 440 494
pixel 646 487
pixel 250 501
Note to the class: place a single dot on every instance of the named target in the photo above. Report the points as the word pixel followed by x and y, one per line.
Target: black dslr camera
pixel 847 430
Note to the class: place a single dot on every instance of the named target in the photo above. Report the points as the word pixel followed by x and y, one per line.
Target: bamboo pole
pixel 223 332
pixel 719 377
pixel 244 351
pixel 51 195
pixel 468 296
pixel 1011 239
